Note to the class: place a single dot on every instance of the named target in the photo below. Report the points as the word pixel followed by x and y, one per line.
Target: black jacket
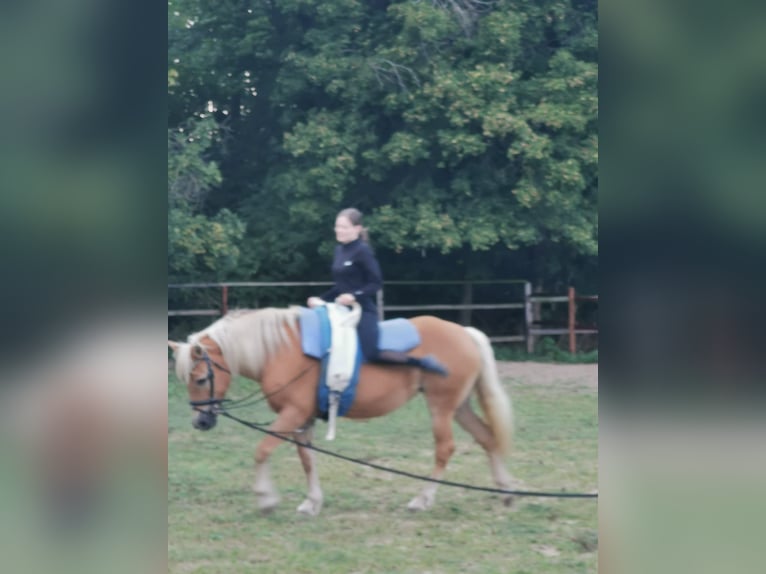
pixel 355 270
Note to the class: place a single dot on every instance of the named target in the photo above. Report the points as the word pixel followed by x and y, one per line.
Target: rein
pixel 404 473
pixel 246 402
pixel 233 403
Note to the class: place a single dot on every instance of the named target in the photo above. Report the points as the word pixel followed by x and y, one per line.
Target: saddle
pixel 393 334
pixel 328 333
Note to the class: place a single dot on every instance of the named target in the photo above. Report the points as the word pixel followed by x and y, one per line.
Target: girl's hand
pixel 312 302
pixel 346 299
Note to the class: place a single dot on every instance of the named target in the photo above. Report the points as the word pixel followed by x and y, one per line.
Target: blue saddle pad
pixel 316 339
pixel 394 334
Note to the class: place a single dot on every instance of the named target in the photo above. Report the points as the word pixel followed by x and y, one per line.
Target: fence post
pixel 465 314
pixel 379 298
pixel 224 299
pixel 572 313
pixel 528 317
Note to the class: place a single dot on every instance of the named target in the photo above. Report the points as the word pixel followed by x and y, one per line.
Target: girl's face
pixel 345 231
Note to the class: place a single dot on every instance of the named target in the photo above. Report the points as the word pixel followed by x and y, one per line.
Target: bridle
pixel 207 416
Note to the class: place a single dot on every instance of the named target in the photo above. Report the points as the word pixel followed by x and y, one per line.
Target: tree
pixel 460 127
pixel 199 247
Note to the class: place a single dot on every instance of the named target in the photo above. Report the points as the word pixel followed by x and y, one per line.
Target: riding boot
pixel 427 363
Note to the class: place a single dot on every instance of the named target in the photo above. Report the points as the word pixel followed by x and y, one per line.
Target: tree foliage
pixel 458 126
pixel 203 248
pixel 199 247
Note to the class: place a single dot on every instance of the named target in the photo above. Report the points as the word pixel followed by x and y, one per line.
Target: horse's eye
pixel 201 381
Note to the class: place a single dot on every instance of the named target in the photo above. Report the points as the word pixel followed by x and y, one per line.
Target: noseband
pixel 210 380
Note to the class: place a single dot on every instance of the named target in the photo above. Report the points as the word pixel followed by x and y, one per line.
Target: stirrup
pixel 333 414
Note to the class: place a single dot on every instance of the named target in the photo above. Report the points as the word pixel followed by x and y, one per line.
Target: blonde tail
pixel 494 401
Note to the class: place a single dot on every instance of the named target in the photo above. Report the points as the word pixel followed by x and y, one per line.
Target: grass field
pixel 364 525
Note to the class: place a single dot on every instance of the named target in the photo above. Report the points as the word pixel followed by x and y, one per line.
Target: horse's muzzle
pixel 205 420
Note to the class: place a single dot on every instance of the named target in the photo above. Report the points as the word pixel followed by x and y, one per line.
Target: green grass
pixel 213 525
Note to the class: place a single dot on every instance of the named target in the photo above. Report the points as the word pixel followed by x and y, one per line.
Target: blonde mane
pixel 246 337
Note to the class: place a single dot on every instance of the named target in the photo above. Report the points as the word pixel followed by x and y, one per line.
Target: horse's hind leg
pixel 445 446
pixel 313 503
pixel 479 430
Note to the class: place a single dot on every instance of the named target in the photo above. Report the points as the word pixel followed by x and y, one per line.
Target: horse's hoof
pixel 419 504
pixel 310 507
pixel 267 503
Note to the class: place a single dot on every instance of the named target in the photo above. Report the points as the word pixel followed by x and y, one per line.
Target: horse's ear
pixel 173 345
pixel 197 351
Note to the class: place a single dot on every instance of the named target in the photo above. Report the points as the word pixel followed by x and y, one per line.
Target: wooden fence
pixel 572 329
pixel 528 304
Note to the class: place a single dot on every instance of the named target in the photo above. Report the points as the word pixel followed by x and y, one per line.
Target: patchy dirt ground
pixel 529 373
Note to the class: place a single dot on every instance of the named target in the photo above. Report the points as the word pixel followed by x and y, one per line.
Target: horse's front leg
pixel 267 494
pixel 264 488
pixel 313 503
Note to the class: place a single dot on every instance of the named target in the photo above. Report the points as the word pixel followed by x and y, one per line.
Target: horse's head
pixel 202 367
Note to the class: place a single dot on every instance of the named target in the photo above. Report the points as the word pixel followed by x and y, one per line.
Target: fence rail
pixel 454 307
pixel 528 303
pixel 193 312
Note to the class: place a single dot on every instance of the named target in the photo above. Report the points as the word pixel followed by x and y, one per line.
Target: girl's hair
pixel 355 217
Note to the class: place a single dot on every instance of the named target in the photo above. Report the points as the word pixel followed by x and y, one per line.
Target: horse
pixel 265 345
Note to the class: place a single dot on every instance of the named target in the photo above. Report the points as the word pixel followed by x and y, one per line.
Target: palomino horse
pixel 264 345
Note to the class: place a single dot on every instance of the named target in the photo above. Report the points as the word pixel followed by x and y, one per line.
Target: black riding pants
pixel 368 333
